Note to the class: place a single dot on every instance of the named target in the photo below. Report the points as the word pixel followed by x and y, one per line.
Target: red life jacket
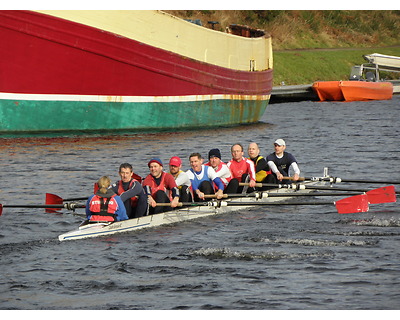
pixel 149 181
pixel 134 200
pixel 103 209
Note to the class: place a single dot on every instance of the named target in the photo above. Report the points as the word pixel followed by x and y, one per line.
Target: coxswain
pixel 105 205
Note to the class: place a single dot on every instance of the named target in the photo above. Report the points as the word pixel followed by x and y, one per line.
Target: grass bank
pixel 295 33
pixel 294 29
pixel 306 66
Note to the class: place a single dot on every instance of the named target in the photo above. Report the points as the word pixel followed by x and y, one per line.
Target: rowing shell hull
pixel 69 71
pixel 175 216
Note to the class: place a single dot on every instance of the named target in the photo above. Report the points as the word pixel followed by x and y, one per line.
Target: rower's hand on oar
pixel 175 202
pixel 296 177
pixel 279 176
pixel 252 183
pixel 200 194
pixel 219 194
pixel 151 201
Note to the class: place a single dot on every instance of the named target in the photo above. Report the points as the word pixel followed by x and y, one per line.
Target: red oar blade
pixel 53 199
pixel 137 177
pixel 382 195
pixel 353 204
pixel 1 209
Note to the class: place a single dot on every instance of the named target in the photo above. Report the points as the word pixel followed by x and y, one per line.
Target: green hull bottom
pixel 30 116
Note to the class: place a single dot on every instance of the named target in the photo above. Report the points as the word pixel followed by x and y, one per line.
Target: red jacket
pixel 243 166
pixel 167 184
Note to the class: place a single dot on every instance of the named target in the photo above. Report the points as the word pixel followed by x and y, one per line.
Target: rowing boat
pixel 90 230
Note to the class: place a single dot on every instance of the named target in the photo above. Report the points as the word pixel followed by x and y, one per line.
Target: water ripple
pixel 226 253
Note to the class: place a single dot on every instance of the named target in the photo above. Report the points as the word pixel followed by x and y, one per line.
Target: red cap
pixel 175 161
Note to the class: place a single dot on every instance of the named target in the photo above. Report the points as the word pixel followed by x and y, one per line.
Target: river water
pixel 302 257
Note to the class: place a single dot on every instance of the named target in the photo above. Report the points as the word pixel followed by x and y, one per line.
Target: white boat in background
pixel 383 61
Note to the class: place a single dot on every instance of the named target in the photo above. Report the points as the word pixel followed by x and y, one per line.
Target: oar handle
pixel 214 196
pixel 167 204
pixel 258 184
pixel 291 178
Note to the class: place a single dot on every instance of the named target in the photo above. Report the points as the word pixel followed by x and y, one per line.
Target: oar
pixel 379 195
pixel 279 195
pixel 185 204
pixel 354 204
pixel 55 199
pixel 337 180
pixel 68 206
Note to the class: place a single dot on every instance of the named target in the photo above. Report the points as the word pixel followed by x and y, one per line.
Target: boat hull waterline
pixel 74 75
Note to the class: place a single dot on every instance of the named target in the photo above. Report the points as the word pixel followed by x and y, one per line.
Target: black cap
pixel 214 153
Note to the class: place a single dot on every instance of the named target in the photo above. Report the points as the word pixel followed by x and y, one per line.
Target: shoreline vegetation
pixel 311 45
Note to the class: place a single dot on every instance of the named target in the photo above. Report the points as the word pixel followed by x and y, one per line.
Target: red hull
pixel 55 56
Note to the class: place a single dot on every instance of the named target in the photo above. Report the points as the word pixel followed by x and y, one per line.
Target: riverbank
pixel 299 67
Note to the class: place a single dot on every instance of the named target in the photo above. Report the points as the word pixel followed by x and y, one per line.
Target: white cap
pixel 280 142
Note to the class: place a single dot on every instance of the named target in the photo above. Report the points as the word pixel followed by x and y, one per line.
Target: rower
pixel 242 169
pixel 181 178
pixel 281 162
pixel 130 190
pixel 160 187
pixel 222 171
pixel 261 166
pixel 202 178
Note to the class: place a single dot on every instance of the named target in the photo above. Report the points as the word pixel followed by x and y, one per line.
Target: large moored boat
pixel 128 70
